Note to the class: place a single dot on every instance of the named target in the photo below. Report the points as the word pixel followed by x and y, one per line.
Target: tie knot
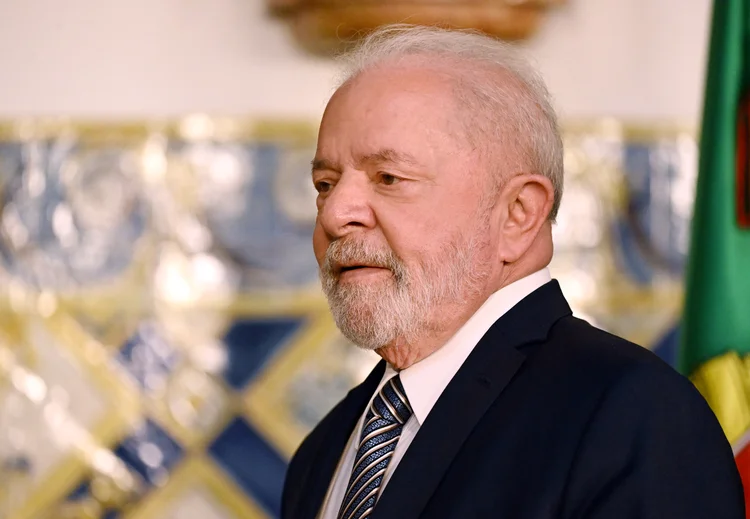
pixel 391 403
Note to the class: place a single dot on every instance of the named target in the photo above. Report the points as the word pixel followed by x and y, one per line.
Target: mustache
pixel 359 252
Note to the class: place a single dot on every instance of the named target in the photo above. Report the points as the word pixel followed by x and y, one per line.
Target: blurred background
pixel 164 345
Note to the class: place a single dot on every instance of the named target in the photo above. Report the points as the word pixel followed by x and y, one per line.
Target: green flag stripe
pixel 716 317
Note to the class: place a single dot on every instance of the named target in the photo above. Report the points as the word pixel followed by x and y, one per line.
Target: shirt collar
pixel 426 380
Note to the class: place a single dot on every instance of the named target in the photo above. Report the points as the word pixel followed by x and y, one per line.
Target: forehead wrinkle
pixel 389 155
pixel 385 155
pixel 432 88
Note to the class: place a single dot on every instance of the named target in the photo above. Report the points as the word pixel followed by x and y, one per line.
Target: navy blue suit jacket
pixel 548 418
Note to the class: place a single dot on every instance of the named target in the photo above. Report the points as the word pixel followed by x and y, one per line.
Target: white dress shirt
pixel 426 380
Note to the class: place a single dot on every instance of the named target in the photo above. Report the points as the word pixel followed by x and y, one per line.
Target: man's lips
pixel 350 268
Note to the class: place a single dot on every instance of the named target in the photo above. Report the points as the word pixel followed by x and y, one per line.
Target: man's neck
pixel 401 354
pixel 445 322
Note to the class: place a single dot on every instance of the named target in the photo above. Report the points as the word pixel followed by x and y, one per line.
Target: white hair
pixel 504 96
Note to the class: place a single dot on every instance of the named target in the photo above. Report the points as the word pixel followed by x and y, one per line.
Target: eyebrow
pixel 379 157
pixel 324 164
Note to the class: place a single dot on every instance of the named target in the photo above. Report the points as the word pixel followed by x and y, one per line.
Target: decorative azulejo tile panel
pixel 164 344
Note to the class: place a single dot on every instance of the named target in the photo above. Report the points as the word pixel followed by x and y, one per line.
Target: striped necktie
pixel 384 422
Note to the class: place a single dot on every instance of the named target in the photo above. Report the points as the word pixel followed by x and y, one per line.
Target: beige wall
pixel 637 59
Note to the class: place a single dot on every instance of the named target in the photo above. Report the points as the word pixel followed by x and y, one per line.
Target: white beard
pixel 401 306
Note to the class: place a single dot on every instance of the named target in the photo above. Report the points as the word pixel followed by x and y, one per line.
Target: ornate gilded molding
pixel 327 25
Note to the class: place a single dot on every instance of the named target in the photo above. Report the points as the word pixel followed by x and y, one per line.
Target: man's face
pixel 400 234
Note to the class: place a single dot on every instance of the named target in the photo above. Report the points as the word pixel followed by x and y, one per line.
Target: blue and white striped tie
pixel 384 422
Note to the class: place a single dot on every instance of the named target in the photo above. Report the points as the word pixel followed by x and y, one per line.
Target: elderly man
pixel 439 172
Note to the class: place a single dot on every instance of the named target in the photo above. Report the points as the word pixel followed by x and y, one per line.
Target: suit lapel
pixel 341 423
pixel 477 384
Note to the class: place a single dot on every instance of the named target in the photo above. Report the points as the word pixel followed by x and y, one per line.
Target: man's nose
pixel 347 208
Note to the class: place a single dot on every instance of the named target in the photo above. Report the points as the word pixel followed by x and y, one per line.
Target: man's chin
pixel 356 324
pixel 364 339
pixel 359 318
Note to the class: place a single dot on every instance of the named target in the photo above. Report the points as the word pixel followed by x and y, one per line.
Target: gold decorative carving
pixel 325 25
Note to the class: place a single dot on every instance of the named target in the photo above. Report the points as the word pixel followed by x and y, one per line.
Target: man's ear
pixel 523 207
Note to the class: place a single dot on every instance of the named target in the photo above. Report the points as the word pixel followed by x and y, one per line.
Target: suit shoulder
pixel 621 382
pixel 579 342
pixel 637 418
pixel 597 359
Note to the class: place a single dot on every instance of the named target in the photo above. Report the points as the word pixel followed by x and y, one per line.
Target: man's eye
pixel 322 186
pixel 388 179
